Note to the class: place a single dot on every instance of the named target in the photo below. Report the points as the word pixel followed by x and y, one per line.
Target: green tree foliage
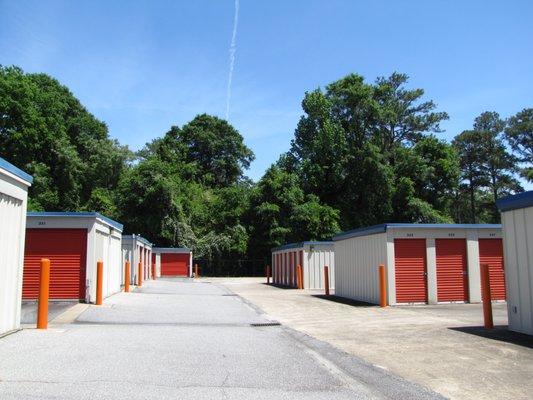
pixel 352 145
pixel 280 212
pixel 488 169
pixel 519 134
pixel 46 131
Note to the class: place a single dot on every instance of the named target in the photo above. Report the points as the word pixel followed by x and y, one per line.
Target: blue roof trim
pixel 521 200
pixel 138 238
pixel 15 171
pixel 299 245
pixel 80 214
pixel 171 250
pixel 375 229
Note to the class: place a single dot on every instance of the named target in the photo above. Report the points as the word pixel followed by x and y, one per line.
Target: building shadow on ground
pixel 500 333
pixel 279 286
pixel 343 300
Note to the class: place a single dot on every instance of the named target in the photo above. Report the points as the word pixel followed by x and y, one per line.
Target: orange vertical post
pixel 153 271
pixel 99 282
pixel 196 271
pixel 486 297
pixel 140 277
pixel 382 287
pixel 44 294
pixel 326 280
pixel 127 267
pixel 268 273
pixel 301 275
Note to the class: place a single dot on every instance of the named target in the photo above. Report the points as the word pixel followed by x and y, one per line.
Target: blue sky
pixel 142 66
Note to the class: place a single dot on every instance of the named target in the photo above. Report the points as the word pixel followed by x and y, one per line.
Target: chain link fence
pixel 231 267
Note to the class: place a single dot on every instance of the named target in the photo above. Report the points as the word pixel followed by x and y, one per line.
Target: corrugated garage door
pixel 66 249
pixel 452 279
pixel 410 270
pixel 175 264
pixel 491 253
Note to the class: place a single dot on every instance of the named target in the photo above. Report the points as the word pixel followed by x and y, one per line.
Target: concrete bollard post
pixel 140 276
pixel 486 297
pixel 99 282
pixel 326 280
pixel 127 267
pixel 382 287
pixel 44 294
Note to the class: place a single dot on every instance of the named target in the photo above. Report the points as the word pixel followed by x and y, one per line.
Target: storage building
pixel 14 185
pixel 425 263
pixel 137 249
pixel 517 221
pixel 74 242
pixel 172 261
pixel 312 256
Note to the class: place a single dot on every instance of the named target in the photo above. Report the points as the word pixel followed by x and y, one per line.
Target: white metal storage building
pixel 312 256
pixel 172 261
pixel 425 263
pixel 74 242
pixel 14 185
pixel 137 249
pixel 517 221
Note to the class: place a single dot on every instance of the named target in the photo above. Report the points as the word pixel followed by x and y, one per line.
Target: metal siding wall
pixel 518 254
pixel 12 215
pixel 356 266
pixel 314 267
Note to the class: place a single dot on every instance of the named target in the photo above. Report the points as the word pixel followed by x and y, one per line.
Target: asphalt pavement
pixel 180 339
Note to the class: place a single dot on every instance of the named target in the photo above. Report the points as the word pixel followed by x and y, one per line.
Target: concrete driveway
pixel 442 347
pixel 183 340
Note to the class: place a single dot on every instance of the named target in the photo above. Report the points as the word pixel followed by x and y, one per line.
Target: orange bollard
pixel 140 277
pixel 382 287
pixel 127 268
pixel 196 275
pixel 153 271
pixel 99 282
pixel 44 294
pixel 326 280
pixel 298 277
pixel 302 277
pixel 268 273
pixel 486 297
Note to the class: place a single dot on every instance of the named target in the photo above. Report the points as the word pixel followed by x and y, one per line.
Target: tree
pixel 499 165
pixel 217 150
pixel 46 131
pixel 280 213
pixel 519 134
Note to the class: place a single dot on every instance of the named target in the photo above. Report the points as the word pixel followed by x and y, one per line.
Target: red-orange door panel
pixel 491 253
pixel 410 270
pixel 452 278
pixel 67 251
pixel 174 264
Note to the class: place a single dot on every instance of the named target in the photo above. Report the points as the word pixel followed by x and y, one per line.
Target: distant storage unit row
pixel 425 263
pixel 517 220
pixel 172 261
pixel 74 242
pixel 137 249
pixel 312 256
pixel 14 185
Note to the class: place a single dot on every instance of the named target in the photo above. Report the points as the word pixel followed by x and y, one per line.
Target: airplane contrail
pixel 232 50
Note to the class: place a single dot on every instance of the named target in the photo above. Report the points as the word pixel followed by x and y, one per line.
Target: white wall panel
pixel 356 266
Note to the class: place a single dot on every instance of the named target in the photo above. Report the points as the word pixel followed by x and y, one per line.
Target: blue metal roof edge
pixel 170 249
pixel 15 171
pixel 375 229
pixel 514 202
pixel 298 245
pixel 139 238
pixel 78 214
